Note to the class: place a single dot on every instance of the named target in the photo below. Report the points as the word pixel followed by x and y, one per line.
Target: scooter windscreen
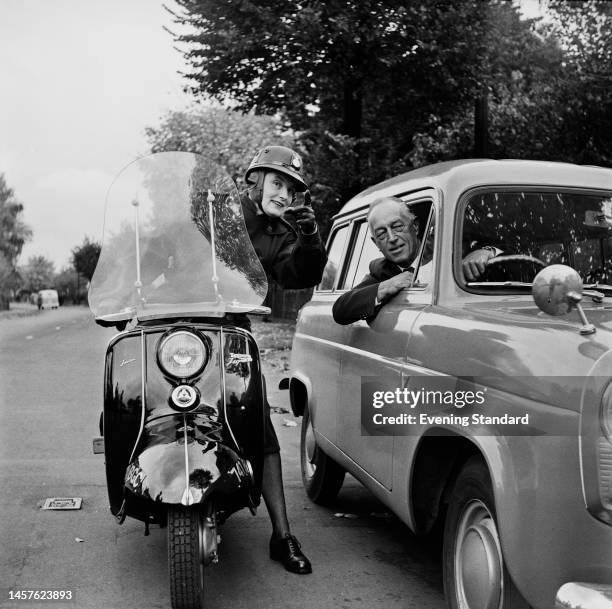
pixel 175 244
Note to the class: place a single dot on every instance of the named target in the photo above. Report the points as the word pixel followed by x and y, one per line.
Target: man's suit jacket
pixel 360 302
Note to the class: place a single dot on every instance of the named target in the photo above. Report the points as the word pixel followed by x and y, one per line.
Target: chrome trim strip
pixel 143 402
pixel 238 330
pixel 375 356
pixel 143 380
pixel 186 494
pixel 222 366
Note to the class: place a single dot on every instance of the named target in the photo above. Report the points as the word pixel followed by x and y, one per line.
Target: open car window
pixel 334 258
pixel 368 253
pixel 423 264
pixel 364 250
pixel 533 229
pixel 356 259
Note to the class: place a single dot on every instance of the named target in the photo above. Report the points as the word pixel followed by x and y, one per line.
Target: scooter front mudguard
pixel 181 459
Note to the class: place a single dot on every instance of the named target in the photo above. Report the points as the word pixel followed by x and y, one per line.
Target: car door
pixel 316 352
pixel 378 350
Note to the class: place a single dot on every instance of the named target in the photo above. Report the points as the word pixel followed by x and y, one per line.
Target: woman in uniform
pixel 286 238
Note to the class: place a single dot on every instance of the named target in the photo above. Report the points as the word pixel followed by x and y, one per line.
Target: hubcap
pixel 478 559
pixel 309 449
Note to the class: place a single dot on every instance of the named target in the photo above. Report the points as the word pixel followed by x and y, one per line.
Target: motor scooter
pixel 183 420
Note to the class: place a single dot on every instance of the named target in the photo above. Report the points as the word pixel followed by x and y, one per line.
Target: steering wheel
pixel 508 273
pixel 503 258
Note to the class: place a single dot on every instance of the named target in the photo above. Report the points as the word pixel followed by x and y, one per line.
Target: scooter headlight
pixel 182 354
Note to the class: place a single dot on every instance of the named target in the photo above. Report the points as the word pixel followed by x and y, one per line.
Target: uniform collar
pixel 271 226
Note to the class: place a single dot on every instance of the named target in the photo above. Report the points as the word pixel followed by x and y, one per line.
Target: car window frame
pixel 358 277
pixel 332 234
pixel 433 213
pixel 426 195
pixel 356 243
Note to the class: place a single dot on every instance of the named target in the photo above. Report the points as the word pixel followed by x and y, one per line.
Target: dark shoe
pixel 287 550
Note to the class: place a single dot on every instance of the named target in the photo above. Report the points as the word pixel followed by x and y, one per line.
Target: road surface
pixel 51 370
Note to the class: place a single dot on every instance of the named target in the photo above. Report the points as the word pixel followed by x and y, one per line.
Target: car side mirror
pixel 557 289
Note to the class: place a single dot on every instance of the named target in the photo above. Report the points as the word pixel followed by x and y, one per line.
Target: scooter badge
pixel 184 396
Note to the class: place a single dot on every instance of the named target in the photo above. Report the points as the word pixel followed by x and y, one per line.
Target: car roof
pixel 458 176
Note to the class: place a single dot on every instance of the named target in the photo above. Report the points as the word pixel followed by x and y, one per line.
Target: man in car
pixel 395 231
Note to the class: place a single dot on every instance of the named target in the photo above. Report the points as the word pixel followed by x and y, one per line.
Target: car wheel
pixel 475 576
pixel 321 475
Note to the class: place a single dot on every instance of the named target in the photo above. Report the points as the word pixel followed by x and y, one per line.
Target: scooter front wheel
pixel 185 534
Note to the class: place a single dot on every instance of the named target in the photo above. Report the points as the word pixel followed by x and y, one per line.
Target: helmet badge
pixel 296 161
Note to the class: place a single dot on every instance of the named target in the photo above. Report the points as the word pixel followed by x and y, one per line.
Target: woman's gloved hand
pixel 304 216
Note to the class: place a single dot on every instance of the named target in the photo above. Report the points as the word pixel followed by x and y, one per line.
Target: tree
pixel 377 87
pixel 584 30
pixel 13 234
pixel 549 90
pixel 69 286
pixel 365 84
pixel 228 137
pixel 6 271
pixel 324 61
pixel 85 257
pixel 38 273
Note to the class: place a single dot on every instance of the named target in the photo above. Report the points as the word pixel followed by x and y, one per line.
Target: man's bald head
pixel 390 202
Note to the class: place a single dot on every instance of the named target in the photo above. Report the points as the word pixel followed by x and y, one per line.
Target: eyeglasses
pixel 382 234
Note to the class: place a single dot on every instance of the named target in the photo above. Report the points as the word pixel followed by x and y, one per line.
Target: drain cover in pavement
pixel 62 503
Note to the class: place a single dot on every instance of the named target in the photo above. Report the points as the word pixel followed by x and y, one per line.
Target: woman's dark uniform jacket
pixel 292 259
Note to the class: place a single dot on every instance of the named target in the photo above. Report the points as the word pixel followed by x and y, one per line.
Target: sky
pixel 81 79
pixel 80 82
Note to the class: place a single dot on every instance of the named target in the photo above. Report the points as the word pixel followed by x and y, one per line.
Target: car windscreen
pixel 527 230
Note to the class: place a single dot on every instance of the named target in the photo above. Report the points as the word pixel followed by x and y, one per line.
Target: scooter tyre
pixel 184 558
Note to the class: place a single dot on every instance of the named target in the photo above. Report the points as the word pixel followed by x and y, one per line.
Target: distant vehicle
pixel 47 299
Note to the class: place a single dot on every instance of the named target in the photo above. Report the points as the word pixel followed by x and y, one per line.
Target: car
pixel 515 468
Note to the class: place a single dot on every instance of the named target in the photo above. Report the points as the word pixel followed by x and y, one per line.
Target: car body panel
pixel 368 352
pixel 327 343
pixel 525 360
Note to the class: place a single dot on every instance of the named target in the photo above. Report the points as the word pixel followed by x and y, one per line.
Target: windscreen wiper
pixel 604 287
pixel 597 291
